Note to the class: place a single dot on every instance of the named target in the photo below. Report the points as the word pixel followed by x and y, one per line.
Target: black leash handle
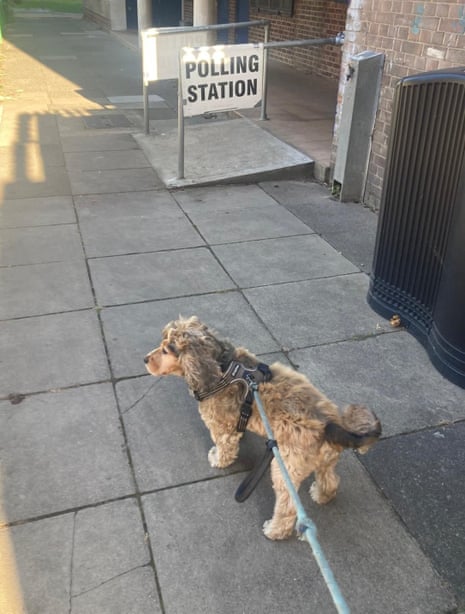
pixel 248 485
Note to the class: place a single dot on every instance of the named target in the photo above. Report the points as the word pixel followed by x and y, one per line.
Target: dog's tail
pixel 359 428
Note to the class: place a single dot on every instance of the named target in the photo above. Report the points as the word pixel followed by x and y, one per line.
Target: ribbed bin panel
pixel 420 220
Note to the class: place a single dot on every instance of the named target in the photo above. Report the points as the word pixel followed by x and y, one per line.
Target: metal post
pixel 180 133
pixel 263 115
pixel 145 95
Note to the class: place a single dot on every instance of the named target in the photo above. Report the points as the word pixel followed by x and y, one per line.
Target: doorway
pixel 131 14
pixel 166 14
pixel 242 14
pixel 241 35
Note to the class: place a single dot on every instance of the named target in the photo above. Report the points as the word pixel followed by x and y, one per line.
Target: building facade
pixel 415 36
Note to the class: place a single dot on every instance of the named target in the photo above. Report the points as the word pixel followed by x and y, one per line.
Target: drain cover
pixel 107 121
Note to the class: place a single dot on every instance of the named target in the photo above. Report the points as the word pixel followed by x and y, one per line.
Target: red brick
pixel 442 10
pixel 448 25
pixel 456 56
pixel 411 48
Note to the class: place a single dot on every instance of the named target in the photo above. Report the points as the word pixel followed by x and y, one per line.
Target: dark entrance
pixel 242 14
pixel 241 35
pixel 131 14
pixel 166 13
pixel 222 10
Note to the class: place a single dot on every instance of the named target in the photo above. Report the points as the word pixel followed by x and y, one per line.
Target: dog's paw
pixel 272 533
pixel 217 461
pixel 318 496
pixel 213 457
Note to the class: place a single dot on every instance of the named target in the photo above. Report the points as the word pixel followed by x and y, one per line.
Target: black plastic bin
pixel 419 263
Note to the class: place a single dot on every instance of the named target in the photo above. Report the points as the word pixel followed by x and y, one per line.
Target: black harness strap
pixel 248 485
pixel 236 372
pixel 261 373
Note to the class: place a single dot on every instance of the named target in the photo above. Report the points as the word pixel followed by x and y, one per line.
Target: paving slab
pixel 124 180
pixel 35 245
pixel 169 442
pixel 39 559
pixel 324 310
pixel 252 153
pixel 61 450
pixel 38 159
pixel 271 261
pixel 241 213
pixel 106 160
pixel 222 198
pixel 135 591
pixel 51 351
pixel 39 289
pixel 141 277
pixel 133 330
pixel 118 527
pixel 37 212
pixel 362 537
pixel 390 373
pixel 52 556
pixel 149 221
pixel 228 226
pixel 54 182
pixel 422 475
pixel 28 122
pixel 100 142
pixel 349 227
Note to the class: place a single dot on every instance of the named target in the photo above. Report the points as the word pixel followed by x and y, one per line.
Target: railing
pixel 153 32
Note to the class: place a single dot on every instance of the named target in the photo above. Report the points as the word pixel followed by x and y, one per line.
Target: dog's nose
pixel 146 359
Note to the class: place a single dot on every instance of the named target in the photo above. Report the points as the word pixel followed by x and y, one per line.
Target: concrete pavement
pixel 107 501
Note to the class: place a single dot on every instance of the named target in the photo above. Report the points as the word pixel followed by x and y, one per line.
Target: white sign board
pixel 221 78
pixel 160 51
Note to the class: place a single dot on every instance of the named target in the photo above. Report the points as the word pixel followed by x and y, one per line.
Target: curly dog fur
pixel 310 430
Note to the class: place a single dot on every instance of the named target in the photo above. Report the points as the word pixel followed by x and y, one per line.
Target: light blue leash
pixel 304 525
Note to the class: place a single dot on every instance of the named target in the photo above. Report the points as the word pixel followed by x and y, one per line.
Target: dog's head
pixel 189 349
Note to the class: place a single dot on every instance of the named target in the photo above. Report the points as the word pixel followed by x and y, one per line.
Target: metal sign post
pixel 218 79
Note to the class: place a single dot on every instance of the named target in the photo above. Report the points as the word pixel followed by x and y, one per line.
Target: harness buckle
pixel 261 373
pixel 246 412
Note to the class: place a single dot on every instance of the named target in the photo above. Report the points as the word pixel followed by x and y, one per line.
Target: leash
pixel 247 487
pixel 304 526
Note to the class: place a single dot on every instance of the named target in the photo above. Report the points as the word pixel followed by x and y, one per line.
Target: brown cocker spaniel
pixel 310 430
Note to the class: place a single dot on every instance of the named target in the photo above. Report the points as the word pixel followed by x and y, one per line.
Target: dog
pixel 310 430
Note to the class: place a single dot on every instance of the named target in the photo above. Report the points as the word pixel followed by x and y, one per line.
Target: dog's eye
pixel 163 351
pixel 173 349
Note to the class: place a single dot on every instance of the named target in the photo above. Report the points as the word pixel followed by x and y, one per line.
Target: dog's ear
pixel 196 351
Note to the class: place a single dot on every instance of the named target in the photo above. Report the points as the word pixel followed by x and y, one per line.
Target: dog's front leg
pixel 224 435
pixel 226 450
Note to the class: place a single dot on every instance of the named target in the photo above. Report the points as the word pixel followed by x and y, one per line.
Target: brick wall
pixel 311 19
pixel 415 37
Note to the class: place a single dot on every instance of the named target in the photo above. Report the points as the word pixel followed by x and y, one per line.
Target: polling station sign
pixel 221 78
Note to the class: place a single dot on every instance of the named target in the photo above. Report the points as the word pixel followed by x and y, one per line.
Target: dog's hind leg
pixel 326 482
pixel 284 517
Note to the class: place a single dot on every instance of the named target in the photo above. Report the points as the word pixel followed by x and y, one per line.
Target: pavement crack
pixel 108 580
pixel 71 565
pixel 142 397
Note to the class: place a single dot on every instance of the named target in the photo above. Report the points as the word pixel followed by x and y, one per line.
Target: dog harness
pixel 237 373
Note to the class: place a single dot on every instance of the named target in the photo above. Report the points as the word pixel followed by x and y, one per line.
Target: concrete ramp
pixel 229 151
